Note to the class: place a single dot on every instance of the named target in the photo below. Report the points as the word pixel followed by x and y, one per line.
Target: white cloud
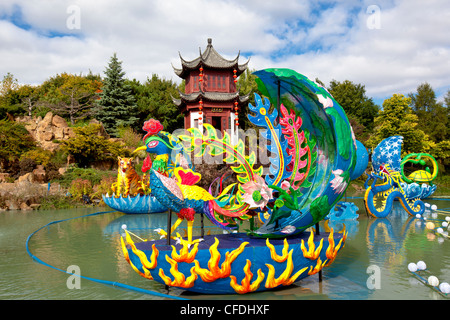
pixel 324 39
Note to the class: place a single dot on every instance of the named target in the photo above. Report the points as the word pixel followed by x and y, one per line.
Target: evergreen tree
pixel 117 106
pixel 247 85
pixel 154 100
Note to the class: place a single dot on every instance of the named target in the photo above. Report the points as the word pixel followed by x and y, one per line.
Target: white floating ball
pixel 444 287
pixel 421 265
pixel 445 224
pixel 434 207
pixel 439 230
pixel 124 226
pixel 412 267
pixel 433 281
pixel 427 205
pixel 447 219
pixel 418 216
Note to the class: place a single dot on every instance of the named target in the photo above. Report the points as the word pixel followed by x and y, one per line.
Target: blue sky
pixel 388 46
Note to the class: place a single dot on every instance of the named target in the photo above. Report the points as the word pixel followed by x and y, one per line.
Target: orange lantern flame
pixel 214 272
pixel 246 285
pixel 273 253
pixel 319 266
pixel 332 250
pixel 312 253
pixel 142 257
pixel 185 255
pixel 179 279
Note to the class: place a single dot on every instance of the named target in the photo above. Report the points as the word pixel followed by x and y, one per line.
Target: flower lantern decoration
pixel 152 127
pixel 256 193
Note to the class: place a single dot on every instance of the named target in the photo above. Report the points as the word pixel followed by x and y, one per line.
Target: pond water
pixel 92 243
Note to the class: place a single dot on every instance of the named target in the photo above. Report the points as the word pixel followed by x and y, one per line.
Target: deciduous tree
pixel 353 99
pixel 397 118
pixel 433 116
pixel 71 96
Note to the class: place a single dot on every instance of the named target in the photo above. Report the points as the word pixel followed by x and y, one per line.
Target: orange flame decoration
pixel 273 253
pixel 145 263
pixel 184 255
pixel 285 278
pixel 245 285
pixel 312 253
pixel 319 266
pixel 332 250
pixel 214 272
pixel 179 278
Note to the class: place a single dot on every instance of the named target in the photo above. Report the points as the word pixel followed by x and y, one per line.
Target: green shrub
pixel 89 146
pixel 104 187
pixel 38 155
pixel 93 175
pixel 24 166
pixel 14 140
pixel 80 187
pixel 130 137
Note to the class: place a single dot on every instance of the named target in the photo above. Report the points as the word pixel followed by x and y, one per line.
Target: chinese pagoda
pixel 210 93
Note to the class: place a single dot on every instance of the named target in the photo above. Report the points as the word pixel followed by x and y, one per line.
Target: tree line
pixel 114 100
pixel 120 103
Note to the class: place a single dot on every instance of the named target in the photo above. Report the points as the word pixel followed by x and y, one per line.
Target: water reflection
pixel 386 236
pixel 93 243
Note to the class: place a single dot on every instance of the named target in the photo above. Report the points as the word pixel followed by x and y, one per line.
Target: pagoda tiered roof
pixel 210 96
pixel 210 59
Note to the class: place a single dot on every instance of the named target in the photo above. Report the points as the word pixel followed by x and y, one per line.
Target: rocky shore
pixel 26 194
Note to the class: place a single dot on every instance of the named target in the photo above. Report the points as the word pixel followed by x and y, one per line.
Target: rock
pixel 70 159
pixel 68 133
pixel 47 121
pixel 4 177
pixel 29 177
pixel 47 135
pixel 102 132
pixel 25 207
pixel 59 122
pixel 59 133
pixel 61 171
pixel 49 145
pixel 12 204
pixel 39 174
pixel 45 130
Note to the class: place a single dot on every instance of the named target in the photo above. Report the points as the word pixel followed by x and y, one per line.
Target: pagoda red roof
pixel 210 59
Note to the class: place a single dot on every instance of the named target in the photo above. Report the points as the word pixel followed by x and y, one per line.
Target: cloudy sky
pixel 389 46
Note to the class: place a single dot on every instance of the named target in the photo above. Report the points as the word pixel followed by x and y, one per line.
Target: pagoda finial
pixel 209 41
